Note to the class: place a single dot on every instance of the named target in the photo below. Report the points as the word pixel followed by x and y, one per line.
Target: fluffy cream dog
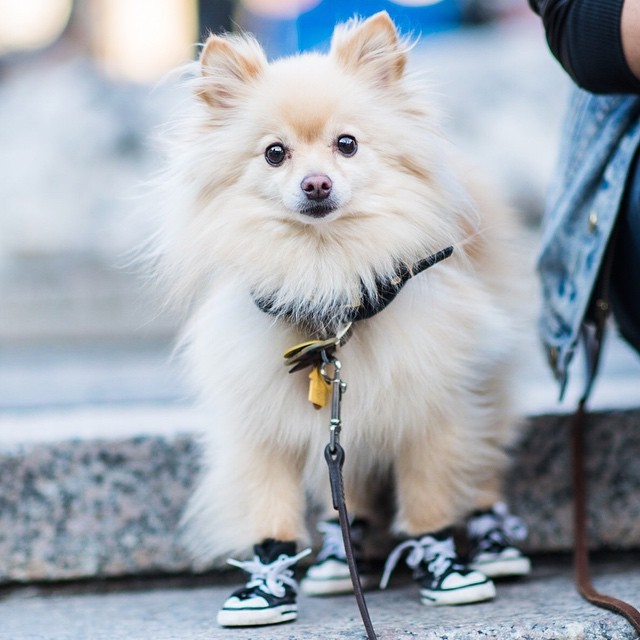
pixel 306 183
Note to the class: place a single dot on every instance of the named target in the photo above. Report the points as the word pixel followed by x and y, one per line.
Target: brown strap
pixel 593 334
pixel 581 543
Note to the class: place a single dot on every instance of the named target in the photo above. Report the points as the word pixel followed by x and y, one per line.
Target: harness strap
pixel 387 290
pixel 370 304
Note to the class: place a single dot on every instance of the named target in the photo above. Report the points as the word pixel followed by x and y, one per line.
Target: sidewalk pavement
pixel 544 606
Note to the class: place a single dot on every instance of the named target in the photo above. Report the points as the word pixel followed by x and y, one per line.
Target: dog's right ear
pixel 228 64
pixel 371 47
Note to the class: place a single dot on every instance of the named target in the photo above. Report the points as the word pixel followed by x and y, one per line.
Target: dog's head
pixel 329 165
pixel 309 127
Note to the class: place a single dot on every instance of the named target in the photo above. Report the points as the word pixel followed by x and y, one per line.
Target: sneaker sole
pixel 332 586
pixel 506 568
pixel 257 617
pixel 462 595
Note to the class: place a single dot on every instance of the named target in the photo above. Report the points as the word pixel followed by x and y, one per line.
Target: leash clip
pixel 338 387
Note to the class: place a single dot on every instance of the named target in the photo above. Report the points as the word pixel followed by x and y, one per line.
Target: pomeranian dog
pixel 297 191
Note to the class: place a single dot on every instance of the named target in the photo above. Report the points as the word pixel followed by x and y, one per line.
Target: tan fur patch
pixel 308 127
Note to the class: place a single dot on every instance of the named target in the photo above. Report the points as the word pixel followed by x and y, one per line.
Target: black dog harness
pixel 368 305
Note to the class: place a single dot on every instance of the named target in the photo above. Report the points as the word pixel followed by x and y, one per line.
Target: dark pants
pixel 625 275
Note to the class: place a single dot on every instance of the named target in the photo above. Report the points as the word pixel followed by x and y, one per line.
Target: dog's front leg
pixel 263 490
pixel 247 492
pixel 433 491
pixel 274 495
pixel 433 483
pixel 263 486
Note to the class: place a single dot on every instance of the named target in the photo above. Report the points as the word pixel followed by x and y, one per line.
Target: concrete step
pixel 87 507
pixel 545 606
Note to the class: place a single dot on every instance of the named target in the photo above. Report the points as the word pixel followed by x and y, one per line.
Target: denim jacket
pixel 599 140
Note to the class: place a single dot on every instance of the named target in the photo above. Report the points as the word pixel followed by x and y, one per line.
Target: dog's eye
pixel 275 154
pixel 347 145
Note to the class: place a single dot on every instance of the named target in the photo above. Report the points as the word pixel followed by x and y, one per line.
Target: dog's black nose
pixel 317 186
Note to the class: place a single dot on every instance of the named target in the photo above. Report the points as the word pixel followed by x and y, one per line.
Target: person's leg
pixel 625 276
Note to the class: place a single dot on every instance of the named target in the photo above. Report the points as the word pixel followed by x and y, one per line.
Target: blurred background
pixel 97 454
pixel 83 91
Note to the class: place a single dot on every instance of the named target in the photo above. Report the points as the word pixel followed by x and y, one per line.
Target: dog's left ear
pixel 229 64
pixel 371 46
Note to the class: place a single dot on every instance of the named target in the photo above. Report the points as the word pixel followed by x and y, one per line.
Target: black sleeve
pixel 585 37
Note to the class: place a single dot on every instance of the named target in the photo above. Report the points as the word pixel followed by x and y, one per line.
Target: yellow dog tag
pixel 319 389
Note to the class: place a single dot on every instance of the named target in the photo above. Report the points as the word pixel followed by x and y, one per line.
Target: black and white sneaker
pixel 269 597
pixel 443 578
pixel 492 537
pixel 330 575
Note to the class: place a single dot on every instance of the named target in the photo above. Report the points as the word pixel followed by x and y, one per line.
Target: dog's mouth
pixel 318 210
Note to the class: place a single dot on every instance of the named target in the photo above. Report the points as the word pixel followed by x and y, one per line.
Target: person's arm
pixel 596 41
pixel 631 34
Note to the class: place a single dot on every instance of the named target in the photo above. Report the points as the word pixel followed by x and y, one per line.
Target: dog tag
pixel 319 389
pixel 310 353
pixel 292 352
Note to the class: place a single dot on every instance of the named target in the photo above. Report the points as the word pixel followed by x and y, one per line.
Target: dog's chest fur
pixel 406 368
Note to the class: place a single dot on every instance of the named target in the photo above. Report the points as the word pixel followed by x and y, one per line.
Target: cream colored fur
pixel 428 399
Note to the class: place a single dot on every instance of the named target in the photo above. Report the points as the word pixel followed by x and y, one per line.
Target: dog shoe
pixel 443 578
pixel 492 536
pixel 330 575
pixel 269 596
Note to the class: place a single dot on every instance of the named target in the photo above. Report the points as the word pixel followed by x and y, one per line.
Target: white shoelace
pixel 332 543
pixel 272 577
pixel 438 555
pixel 513 527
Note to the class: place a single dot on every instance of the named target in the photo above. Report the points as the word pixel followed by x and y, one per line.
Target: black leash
pixel 335 460
pixel 334 455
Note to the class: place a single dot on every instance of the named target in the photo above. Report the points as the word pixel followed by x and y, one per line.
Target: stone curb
pixel 97 508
